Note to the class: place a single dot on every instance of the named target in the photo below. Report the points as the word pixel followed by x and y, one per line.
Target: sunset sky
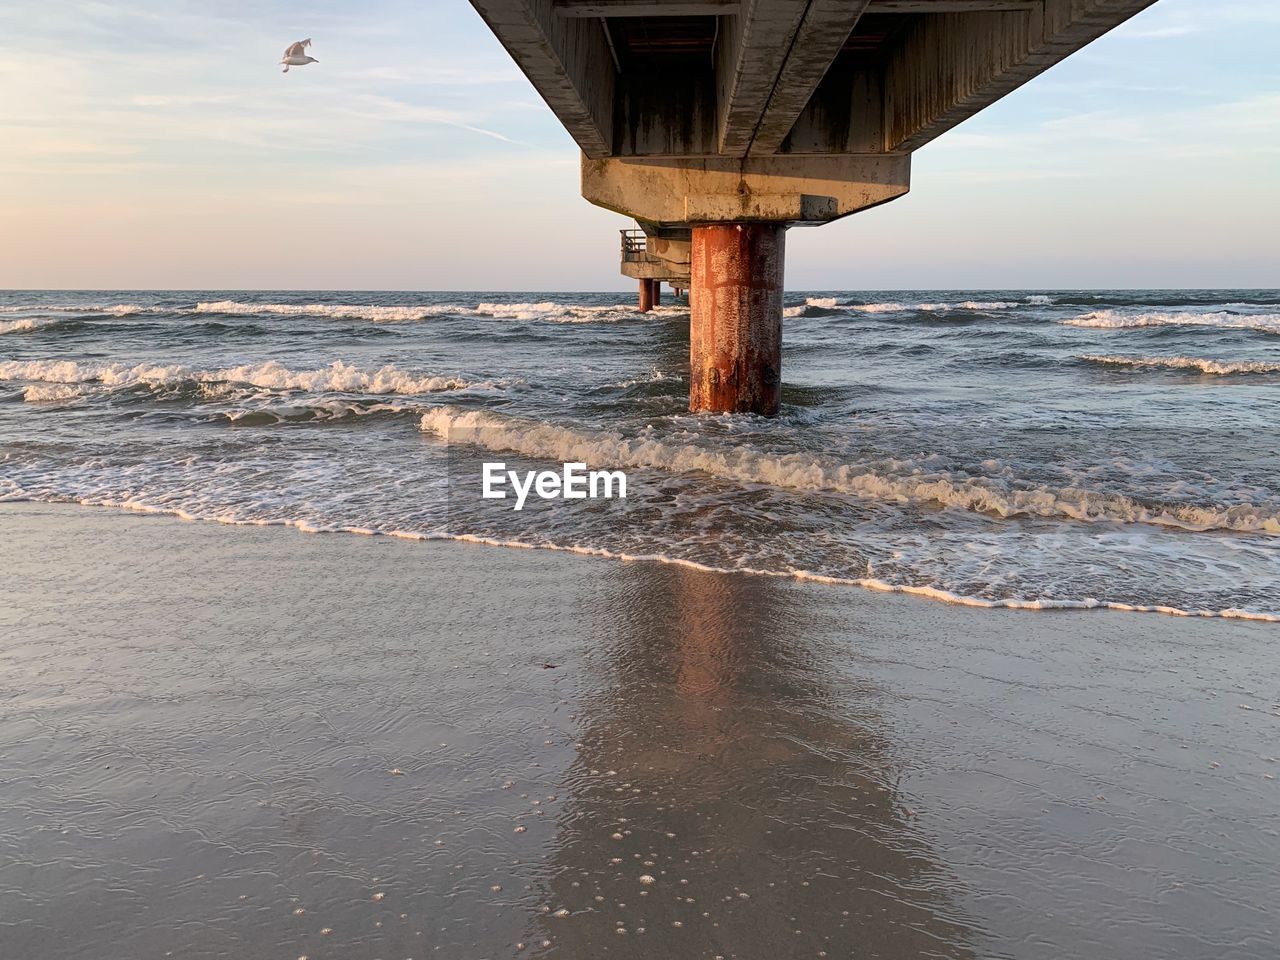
pixel 156 144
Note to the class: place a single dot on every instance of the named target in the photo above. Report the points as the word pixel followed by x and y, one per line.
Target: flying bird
pixel 296 56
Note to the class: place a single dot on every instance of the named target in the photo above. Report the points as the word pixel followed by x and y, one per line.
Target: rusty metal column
pixel 646 295
pixel 657 292
pixel 735 323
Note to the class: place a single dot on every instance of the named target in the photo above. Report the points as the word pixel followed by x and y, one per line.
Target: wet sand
pixel 254 743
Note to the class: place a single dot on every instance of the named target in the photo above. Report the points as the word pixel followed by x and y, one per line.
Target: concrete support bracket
pixel 781 189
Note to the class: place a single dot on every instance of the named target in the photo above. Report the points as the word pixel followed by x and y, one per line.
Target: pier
pixel 718 124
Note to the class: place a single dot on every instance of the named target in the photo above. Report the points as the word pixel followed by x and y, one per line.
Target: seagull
pixel 296 56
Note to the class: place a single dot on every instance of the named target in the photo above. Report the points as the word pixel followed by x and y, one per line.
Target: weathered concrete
pixel 947 67
pixel 818 38
pixel 771 189
pixel 567 61
pixel 737 118
pixel 761 78
pixel 665 255
pixel 735 324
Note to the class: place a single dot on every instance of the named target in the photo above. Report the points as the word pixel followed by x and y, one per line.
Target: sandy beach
pixel 229 741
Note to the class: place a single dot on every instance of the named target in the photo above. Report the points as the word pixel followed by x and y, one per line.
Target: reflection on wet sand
pixel 726 800
pixel 348 748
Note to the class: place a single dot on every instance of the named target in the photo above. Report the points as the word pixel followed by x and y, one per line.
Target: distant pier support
pixel 646 295
pixel 735 325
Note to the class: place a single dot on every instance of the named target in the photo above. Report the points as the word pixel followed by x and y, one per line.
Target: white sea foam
pixel 1124 320
pixel 13 493
pixel 22 326
pixel 567 313
pixel 1040 300
pixel 653 376
pixel 877 307
pixel 894 481
pixel 821 303
pixel 51 392
pixel 116 309
pixel 1217 368
pixel 940 307
pixel 337 377
pixel 547 310
pixel 983 305
pixel 318 410
pixel 375 313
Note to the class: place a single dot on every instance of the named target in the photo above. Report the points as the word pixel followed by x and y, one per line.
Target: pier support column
pixel 735 324
pixel 657 292
pixel 646 295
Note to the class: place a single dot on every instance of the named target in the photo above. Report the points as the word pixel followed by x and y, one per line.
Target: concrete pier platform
pixel 697 114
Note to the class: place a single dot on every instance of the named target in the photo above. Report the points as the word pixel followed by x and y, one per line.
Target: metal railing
pixel 635 247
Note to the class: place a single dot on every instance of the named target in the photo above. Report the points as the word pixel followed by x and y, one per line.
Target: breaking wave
pixel 51 392
pixel 1216 368
pixel 546 310
pixel 115 309
pixel 323 411
pixel 1119 320
pixel 337 377
pixel 824 306
pixel 23 326
pixel 813 307
pixel 893 481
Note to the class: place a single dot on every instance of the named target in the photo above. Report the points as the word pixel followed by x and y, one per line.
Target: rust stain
pixel 735 341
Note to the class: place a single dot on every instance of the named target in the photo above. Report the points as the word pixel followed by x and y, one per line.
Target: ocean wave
pixel 115 309
pixel 12 493
pixel 1223 319
pixel 1217 368
pixel 51 392
pixel 569 313
pixel 813 307
pixel 22 326
pixel 978 306
pixel 377 314
pixel 825 306
pixel 547 310
pixel 338 377
pixel 891 481
pixel 325 411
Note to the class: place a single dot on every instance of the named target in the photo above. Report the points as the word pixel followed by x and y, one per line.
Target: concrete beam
pixel 948 67
pixel 782 189
pixel 951 6
pixel 752 48
pixel 567 61
pixel 645 8
pixel 656 271
pixel 825 27
pixel 844 115
pixel 771 59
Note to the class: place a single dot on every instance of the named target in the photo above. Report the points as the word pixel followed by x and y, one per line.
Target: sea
pixel 1034 449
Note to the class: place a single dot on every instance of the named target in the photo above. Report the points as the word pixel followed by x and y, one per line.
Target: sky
pixel 155 144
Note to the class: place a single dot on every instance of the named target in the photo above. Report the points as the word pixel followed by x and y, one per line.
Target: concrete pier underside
pixel 737 118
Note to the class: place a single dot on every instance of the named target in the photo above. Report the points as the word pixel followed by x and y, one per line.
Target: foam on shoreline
pixel 897 481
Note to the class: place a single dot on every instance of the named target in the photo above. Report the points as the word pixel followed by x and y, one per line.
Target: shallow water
pixel 1023 448
pixel 250 743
